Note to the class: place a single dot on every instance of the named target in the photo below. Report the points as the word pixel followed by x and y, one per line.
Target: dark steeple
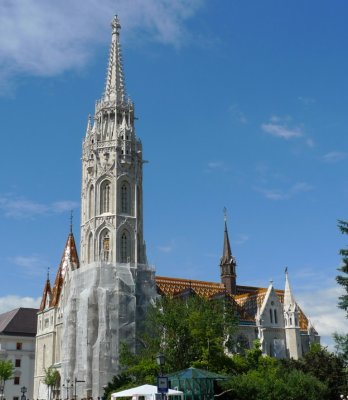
pixel 228 263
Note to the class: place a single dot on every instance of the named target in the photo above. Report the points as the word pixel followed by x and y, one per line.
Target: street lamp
pixel 160 361
pixel 162 381
pixel 24 391
pixel 342 396
pixel 2 387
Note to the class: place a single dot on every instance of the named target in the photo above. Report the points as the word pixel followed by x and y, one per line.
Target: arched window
pixel 125 198
pixel 90 248
pixel 105 246
pixel 275 317
pixel 105 189
pixel 91 202
pixel 125 247
pixel 271 315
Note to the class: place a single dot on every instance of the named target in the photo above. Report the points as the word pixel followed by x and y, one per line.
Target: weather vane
pixel 225 214
pixel 71 220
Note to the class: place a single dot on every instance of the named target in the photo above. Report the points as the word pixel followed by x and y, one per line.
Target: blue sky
pixel 241 104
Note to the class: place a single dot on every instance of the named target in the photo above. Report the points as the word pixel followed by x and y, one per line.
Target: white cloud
pixel 33 265
pixel 241 239
pixel 237 114
pixel 279 194
pixel 320 305
pixel 278 127
pixel 167 248
pixel 306 100
pixel 9 303
pixel 334 156
pixel 310 142
pixel 15 207
pixel 46 38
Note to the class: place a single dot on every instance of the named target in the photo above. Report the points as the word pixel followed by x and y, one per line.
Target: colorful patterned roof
pixel 69 257
pixel 248 298
pixel 46 292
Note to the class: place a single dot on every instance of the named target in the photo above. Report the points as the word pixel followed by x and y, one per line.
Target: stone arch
pixel 125 197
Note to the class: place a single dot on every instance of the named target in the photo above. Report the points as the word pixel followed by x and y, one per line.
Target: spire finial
pixel 116 26
pixel 286 270
pixel 71 221
pixel 225 214
pixel 48 273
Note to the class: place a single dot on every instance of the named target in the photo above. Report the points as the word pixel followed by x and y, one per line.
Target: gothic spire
pixel 228 263
pixel 289 300
pixel 226 253
pixel 114 86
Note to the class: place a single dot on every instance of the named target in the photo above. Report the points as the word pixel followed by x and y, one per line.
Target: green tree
pixel 189 332
pixel 327 367
pixel 343 279
pixel 6 371
pixel 341 341
pixel 51 379
pixel 272 382
pixel 118 383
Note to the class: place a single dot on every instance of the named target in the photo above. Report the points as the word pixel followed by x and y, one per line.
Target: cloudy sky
pixel 241 105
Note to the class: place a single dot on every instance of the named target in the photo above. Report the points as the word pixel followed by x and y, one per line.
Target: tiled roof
pixel 46 292
pixel 248 298
pixel 19 322
pixel 69 257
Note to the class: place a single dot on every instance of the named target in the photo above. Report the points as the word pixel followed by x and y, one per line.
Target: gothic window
pixel 125 247
pixel 125 198
pixel 105 246
pixel 271 315
pixel 275 317
pixel 90 248
pixel 91 202
pixel 105 197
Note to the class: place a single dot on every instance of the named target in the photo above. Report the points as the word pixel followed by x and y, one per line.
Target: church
pixel 99 298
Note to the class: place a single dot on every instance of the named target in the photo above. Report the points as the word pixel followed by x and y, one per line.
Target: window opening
pixel 271 315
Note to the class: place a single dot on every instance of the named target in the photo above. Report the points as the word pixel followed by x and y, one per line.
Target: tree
pixel 118 382
pixel 51 379
pixel 325 366
pixel 189 332
pixel 343 279
pixel 270 381
pixel 6 371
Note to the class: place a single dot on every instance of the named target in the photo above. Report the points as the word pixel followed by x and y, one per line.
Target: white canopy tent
pixel 148 392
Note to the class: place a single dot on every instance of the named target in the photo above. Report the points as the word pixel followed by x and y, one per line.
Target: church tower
pixel 111 209
pixel 100 302
pixel 228 265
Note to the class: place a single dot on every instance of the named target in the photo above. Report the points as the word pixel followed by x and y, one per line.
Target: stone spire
pixel 228 263
pixel 114 85
pixel 289 301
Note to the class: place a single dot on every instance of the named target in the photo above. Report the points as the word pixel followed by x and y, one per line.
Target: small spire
pixel 48 274
pixel 71 221
pixel 114 86
pixel 226 253
pixel 289 300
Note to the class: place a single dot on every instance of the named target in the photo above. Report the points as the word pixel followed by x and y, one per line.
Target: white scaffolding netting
pixel 104 305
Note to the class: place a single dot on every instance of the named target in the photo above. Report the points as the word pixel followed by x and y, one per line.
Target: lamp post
pixel 162 381
pixel 67 387
pixel 342 396
pixel 76 381
pixel 2 387
pixel 160 362
pixel 24 391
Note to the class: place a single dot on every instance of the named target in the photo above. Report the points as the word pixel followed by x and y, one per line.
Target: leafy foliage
pixel 51 378
pixel 325 366
pixel 6 370
pixel 118 382
pixel 189 332
pixel 343 279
